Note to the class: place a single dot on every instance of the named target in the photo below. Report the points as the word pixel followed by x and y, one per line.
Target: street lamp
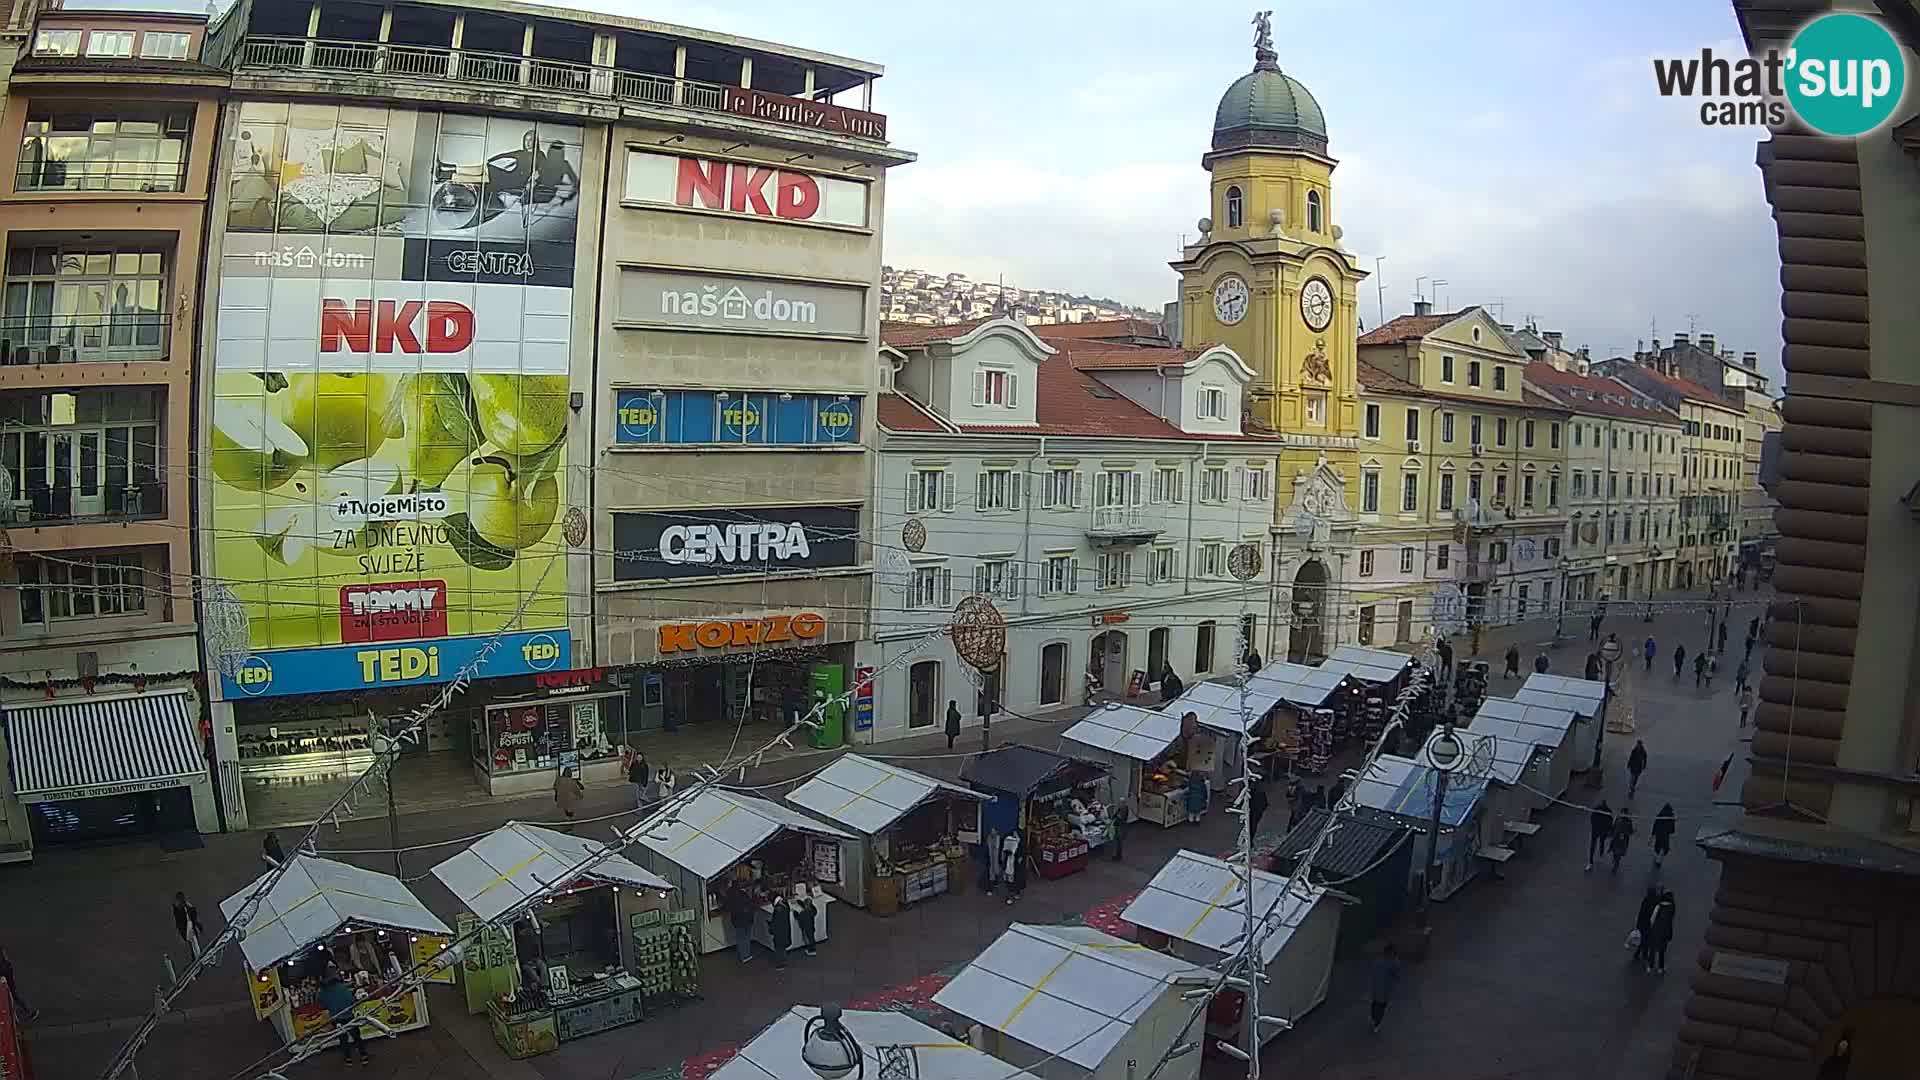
pixel 1444 754
pixel 1610 654
pixel 829 1048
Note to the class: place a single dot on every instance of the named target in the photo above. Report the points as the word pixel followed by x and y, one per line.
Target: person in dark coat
pixel 1699 671
pixel 1723 637
pixel 1445 649
pixel 270 849
pixel 1660 933
pixel 1662 833
pixel 1513 662
pixel 1118 817
pixel 1541 663
pixel 641 777
pixel 1636 764
pixel 339 1000
pixel 186 922
pixel 780 929
pixel 1837 1063
pixel 1644 922
pixel 1257 806
pixel 806 913
pixel 1622 836
pixel 1196 796
pixel 1253 661
pixel 1679 660
pixel 1651 649
pixel 953 722
pixel 740 913
pixel 1593 626
pixel 1593 667
pixel 1599 828
pixel 1170 685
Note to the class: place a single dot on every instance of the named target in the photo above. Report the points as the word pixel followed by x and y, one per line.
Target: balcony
pixel 83 175
pixel 482 69
pixel 1122 525
pixel 115 337
pixel 43 505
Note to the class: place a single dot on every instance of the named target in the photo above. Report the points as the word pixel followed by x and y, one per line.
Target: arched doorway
pixel 1304 642
pixel 1107 661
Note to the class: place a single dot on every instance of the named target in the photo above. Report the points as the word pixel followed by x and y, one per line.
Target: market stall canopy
pixel 517 861
pixel 1582 696
pixel 1127 730
pixel 84 747
pixel 1219 706
pixel 1546 725
pixel 869 796
pixel 1298 684
pixel 1404 788
pixel 1367 665
pixel 1350 851
pixel 315 899
pixel 774 1054
pixel 1022 770
pixel 719 828
pixel 1199 898
pixel 1069 991
pixel 1490 755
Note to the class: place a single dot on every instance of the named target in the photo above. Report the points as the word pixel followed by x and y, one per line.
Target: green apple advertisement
pixel 388 429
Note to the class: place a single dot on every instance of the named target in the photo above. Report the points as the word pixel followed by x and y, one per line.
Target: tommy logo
pixel 393 611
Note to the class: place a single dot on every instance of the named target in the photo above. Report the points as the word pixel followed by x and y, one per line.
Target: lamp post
pixel 1610 654
pixel 1444 754
pixel 828 1048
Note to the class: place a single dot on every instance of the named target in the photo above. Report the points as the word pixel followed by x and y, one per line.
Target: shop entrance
pixel 1309 612
pixel 110 818
pixel 923 693
pixel 1158 640
pixel 1403 623
pixel 1053 674
pixel 1107 661
pixel 297 754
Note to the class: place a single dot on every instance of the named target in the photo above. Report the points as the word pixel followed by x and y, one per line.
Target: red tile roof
pixel 897 413
pixel 1594 394
pixel 1103 357
pixel 904 335
pixel 1101 330
pixel 1408 328
pixel 1374 378
pixel 1686 387
pixel 1531 397
pixel 1066 402
pixel 1384 382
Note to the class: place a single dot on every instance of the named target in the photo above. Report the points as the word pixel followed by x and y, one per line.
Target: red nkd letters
pixel 388 326
pixel 744 189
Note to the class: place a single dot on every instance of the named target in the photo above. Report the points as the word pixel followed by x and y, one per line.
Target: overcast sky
pixel 1517 150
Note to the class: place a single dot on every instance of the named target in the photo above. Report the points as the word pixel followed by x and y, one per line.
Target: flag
pixel 1720 775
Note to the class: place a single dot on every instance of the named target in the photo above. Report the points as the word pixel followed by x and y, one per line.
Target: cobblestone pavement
pixel 1527 978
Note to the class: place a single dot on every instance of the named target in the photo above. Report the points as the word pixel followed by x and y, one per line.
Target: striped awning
pixel 103 746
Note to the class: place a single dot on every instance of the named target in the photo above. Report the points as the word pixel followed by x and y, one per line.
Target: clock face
pixel 1230 299
pixel 1316 304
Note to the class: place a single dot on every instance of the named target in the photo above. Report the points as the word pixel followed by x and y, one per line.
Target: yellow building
pixel 1270 278
pixel 1462 496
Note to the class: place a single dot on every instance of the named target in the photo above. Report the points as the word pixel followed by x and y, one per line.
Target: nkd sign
pixel 748 189
pixel 746 305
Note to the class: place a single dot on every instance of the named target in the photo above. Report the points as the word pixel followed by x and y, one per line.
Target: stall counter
pixel 597 1007
pixel 764 936
pixel 523 1033
pixel 1165 809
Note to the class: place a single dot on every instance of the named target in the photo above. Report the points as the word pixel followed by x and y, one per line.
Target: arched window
pixel 1236 211
pixel 1313 211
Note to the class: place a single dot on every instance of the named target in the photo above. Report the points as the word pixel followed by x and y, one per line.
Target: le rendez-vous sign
pixel 799 112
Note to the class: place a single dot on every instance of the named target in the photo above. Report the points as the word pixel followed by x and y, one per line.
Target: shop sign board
pixel 800 112
pixel 1110 618
pixel 734 418
pixel 426 951
pixel 572 680
pixel 130 787
pixel 863 699
pixel 794 629
pixel 265 990
pixel 387 433
pixel 747 189
pixel 1766 969
pixel 826 861
pixel 733 540
pixel 681 300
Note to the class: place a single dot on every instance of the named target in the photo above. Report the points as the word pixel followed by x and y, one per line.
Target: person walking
pixel 1643 923
pixel 186 922
pixel 1593 626
pixel 806 913
pixel 740 914
pixel 1636 764
pixel 1593 667
pixel 1660 932
pixel 1541 663
pixel 1699 670
pixel 1445 649
pixel 1170 686
pixel 1599 828
pixel 990 854
pixel 1713 668
pixel 780 929
pixel 270 849
pixel 13 985
pixel 953 722
pixel 641 777
pixel 1622 836
pixel 1651 648
pixel 1386 975
pixel 1740 675
pixel 567 794
pixel 1117 817
pixel 1513 662
pixel 1746 704
pixel 1253 660
pixel 338 999
pixel 1196 796
pixel 1662 833
pixel 1679 660
pixel 1723 636
pixel 1256 806
pixel 1013 865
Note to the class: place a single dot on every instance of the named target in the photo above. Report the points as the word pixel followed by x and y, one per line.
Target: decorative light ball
pixel 228 635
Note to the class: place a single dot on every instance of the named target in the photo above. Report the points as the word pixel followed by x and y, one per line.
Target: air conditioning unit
pixel 1413 446
pixel 1478 449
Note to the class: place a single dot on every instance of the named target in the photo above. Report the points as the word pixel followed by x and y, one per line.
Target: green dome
pixel 1268 108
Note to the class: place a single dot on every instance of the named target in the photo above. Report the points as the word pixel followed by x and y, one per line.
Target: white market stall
pixel 1197 903
pixel 1071 1001
pixel 324 916
pixel 1583 697
pixel 1225 718
pixel 774 1054
pixel 1504 763
pixel 912 829
pixel 1400 791
pixel 721 837
pixel 1380 667
pixel 1139 745
pixel 582 959
pixel 1308 693
pixel 1549 727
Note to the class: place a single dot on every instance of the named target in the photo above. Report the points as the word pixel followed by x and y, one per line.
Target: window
pixel 1370 491
pixel 1373 421
pixel 110 43
pixel 1520 608
pixel 1366 620
pixel 155 45
pixel 1526 434
pixel 1116 569
pixel 1473 431
pixel 1213 559
pixel 1442 556
pixel 1236 208
pixel 1526 491
pixel 1213 484
pixel 1473 487
pixel 1409 492
pixel 998 489
pixel 1406 560
pixel 1366 562
pixel 1612 528
pixel 1613 438
pixel 929 489
pixel 87 303
pixel 1446 491
pixel 1203 647
pixel 1162 565
pixel 995 386
pixel 1446 427
pixel 57 43
pixel 1313 211
pixel 1500 489
pixel 1577 431
pixel 1497 551
pixel 1551 548
pixel 81 586
pixel 1553 436
pixel 1613 485
pixel 1254 485
pixel 1316 407
pixel 1446 368
pixel 1060 576
pixel 1629 485
pixel 1499 431
pixel 1062 488
pixel 1116 489
pixel 997 577
pixel 1413 425
pixel 1213 403
pixel 1595 486
pixel 1553 491
pixel 1473 373
pixel 86 453
pixel 1169 485
pixel 930 587
pixel 1579 483
pixel 1499 376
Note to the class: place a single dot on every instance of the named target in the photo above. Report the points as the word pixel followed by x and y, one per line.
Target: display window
pixel 533 735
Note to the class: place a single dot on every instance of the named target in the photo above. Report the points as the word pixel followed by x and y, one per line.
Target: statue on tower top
pixel 1263 55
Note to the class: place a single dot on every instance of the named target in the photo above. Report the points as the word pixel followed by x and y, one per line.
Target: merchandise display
pixel 665 958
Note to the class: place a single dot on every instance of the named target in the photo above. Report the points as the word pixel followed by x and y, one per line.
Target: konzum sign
pixel 747 189
pixel 740 633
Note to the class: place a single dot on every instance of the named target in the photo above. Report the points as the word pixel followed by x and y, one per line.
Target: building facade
pixel 109 138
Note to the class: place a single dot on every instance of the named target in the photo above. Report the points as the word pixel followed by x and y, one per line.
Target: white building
pixel 1092 491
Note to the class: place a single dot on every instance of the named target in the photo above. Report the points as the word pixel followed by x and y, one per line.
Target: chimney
pixel 1423 307
pixel 1679 339
pixel 1706 343
pixel 1552 338
pixel 1751 359
pixel 1656 346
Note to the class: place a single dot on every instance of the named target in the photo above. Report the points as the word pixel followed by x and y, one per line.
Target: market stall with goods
pixel 324 920
pixel 1585 698
pixel 1196 908
pixel 1550 729
pixel 1227 716
pixel 1303 727
pixel 578 968
pixel 1144 750
pixel 912 829
pixel 1058 804
pixel 881 1037
pixel 1399 791
pixel 1373 678
pixel 1077 1002
pixel 722 840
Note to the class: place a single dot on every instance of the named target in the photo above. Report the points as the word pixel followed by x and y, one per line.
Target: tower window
pixel 1313 211
pixel 1236 209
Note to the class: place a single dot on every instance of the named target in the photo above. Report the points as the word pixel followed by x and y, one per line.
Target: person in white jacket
pixel 1013 865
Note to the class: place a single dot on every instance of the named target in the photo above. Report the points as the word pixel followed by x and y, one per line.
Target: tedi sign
pixel 1843 75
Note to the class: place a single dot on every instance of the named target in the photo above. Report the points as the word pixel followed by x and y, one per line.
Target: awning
pixel 870 795
pixel 1403 788
pixel 1127 730
pixel 1217 705
pixel 1493 752
pixel 1367 665
pixel 1021 770
pixel 516 860
pixel 1198 898
pixel 1297 684
pixel 1581 696
pixel 1547 725
pixel 719 828
pixel 317 898
pixel 103 746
